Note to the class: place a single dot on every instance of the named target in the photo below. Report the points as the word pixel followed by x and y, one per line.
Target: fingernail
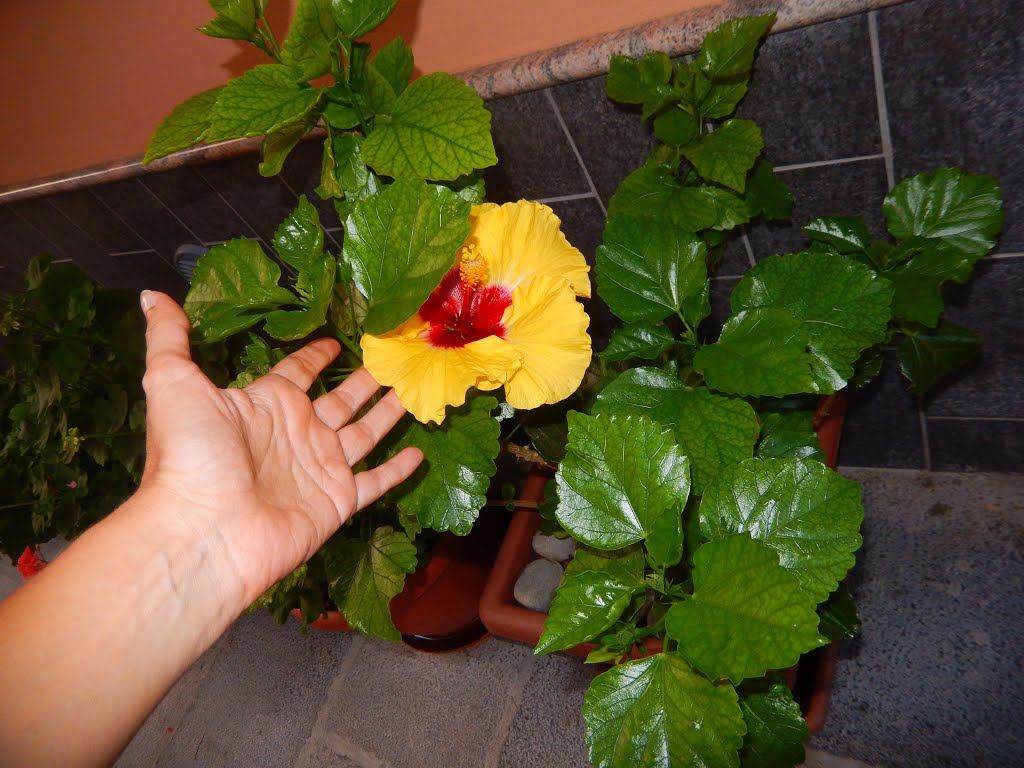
pixel 146 299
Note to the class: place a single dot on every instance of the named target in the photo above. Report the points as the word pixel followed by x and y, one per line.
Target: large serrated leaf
pixel 650 270
pixel 660 711
pixel 235 20
pixel 394 63
pixel 641 81
pixel 729 49
pixel 776 730
pixel 925 358
pixel 808 514
pixel 620 476
pixel 399 244
pixel 917 284
pixel 843 307
pixel 847 234
pixel 789 435
pixel 451 487
pixel 963 209
pixel 185 126
pixel 713 431
pixel 585 605
pixel 311 38
pixel 767 194
pixel 747 613
pixel 638 340
pixel 727 155
pixel 624 565
pixel 369 574
pixel 262 100
pixel 357 17
pixel 233 287
pixel 439 129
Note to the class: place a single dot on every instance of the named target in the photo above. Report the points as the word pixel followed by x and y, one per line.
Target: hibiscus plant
pixel 713 540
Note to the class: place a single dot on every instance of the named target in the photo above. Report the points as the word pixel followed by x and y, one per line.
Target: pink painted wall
pixel 86 82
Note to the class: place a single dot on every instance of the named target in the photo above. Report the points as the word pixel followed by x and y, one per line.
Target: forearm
pixel 93 642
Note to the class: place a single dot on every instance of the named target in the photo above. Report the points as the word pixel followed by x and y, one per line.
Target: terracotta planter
pixel 504 617
pixel 439 608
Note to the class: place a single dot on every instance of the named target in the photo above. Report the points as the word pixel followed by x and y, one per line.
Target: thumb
pixel 166 331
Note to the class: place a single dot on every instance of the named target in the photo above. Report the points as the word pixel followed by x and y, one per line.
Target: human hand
pixel 262 475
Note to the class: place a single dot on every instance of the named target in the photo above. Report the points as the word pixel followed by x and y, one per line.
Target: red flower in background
pixel 29 564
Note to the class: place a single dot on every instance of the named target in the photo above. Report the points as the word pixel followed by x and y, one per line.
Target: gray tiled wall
pixel 847 108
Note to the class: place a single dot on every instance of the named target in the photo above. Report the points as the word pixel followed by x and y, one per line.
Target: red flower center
pixel 461 310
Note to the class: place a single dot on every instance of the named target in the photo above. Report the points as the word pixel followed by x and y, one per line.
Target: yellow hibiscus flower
pixel 505 315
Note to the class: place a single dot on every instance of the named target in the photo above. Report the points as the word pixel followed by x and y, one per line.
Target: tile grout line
pixel 1012 419
pixel 566 198
pixel 579 158
pixel 827 163
pixel 748 248
pixel 57 250
pixel 1000 256
pixel 162 204
pixel 922 423
pixel 508 715
pixel 883 105
pixel 129 227
pixel 224 200
pixel 131 253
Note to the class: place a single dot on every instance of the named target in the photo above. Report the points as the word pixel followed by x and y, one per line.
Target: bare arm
pixel 240 487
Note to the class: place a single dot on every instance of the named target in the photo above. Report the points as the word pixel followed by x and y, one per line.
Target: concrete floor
pixel 935 679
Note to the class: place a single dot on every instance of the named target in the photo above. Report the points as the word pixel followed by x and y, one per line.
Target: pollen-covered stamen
pixel 473 270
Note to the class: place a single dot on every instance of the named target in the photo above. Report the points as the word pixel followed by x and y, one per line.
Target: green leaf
pixel 641 81
pixel 341 116
pixel 847 234
pixel 728 154
pixel 311 39
pixel 399 244
pixel 357 17
pixel 676 127
pixel 760 352
pixel 789 435
pixel 776 730
pixel 712 431
pixel 747 613
pixel 767 194
pixel 451 486
pixel 277 145
pixel 838 617
pixel 262 100
pixel 652 192
pixel 235 20
pixel 717 99
pixel 233 287
pixel 918 283
pixel 729 49
pixel 620 476
pixel 842 307
pixel 390 69
pixel 623 565
pixel 659 711
pixel 585 605
pixel 67 295
pixel 925 358
pixel 369 574
pixel 960 208
pixel 649 270
pixel 641 340
pixel 808 514
pixel 439 129
pixel 342 170
pixel 185 126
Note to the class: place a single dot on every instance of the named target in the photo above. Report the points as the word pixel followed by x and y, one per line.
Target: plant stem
pixel 268 35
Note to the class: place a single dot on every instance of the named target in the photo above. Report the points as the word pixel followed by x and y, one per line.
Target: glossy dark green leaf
pixel 660 711
pixel 847 234
pixel 776 730
pixel 341 116
pixel 747 613
pixel 717 99
pixel 789 435
pixel 925 358
pixel 808 514
pixel 918 283
pixel 618 478
pixel 342 170
pixel 261 101
pixel 624 565
pixel 838 616
pixel 585 605
pixel 399 244
pixel 67 295
pixel 767 195
pixel 729 49
pixel 186 125
pixel 311 39
pixel 638 340
pixel 357 17
pixel 654 192
pixel 641 81
pixel 676 127
pixel 727 155
pixel 650 270
pixel 278 144
pixel 439 129
pixel 965 210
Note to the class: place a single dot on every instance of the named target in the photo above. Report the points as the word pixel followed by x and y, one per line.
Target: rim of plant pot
pixel 505 617
pixel 438 610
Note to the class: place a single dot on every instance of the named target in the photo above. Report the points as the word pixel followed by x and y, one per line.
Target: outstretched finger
pixel 303 366
pixel 374 483
pixel 337 407
pixel 358 439
pixel 166 334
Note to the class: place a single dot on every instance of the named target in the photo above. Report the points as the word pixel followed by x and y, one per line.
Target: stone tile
pixel 144 213
pixel 882 428
pixel 21 241
pixel 11 281
pixel 953 83
pixel 846 189
pixel 547 729
pixel 612 138
pixel 933 679
pixel 197 204
pixel 449 709
pixel 974 445
pixel 90 214
pixel 69 240
pixel 333 752
pixel 535 159
pixel 139 271
pixel 257 703
pixel 813 93
pixel 735 260
pixel 262 202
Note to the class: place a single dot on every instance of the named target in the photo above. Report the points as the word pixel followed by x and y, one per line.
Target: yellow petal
pixel 427 379
pixel 548 327
pixel 524 239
